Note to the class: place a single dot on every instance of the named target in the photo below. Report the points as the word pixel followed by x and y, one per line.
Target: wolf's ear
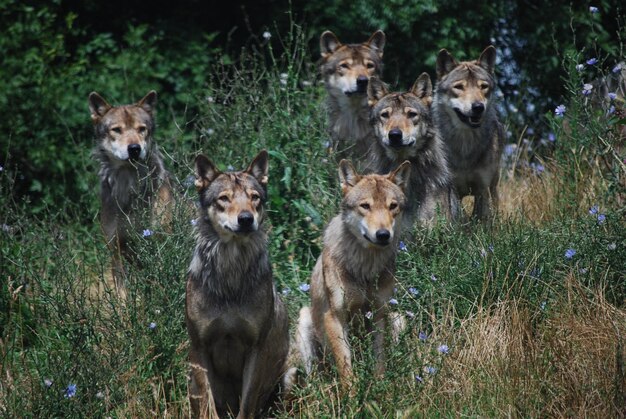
pixel 328 44
pixel 487 59
pixel 400 176
pixel 423 89
pixel 445 63
pixel 98 106
pixel 259 167
pixel 206 172
pixel 376 90
pixel 148 103
pixel 377 42
pixel 347 175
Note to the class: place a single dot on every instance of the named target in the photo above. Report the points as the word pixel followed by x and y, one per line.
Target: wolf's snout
pixel 134 150
pixel 478 108
pixel 395 137
pixel 383 235
pixel 245 220
pixel 361 83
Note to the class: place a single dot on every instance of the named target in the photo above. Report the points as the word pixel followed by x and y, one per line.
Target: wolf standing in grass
pixel 346 69
pixel 134 185
pixel 354 275
pixel 404 130
pixel 466 118
pixel 236 321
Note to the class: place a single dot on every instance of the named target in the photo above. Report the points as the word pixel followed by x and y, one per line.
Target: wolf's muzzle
pixel 134 151
pixel 245 220
pixel 361 84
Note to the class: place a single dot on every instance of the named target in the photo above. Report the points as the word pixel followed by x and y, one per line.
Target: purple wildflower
pixel 422 336
pixel 592 61
pixel 593 10
pixel 147 233
pixel 443 349
pixel 560 110
pixel 587 89
pixel 569 253
pixel 304 287
pixel 70 391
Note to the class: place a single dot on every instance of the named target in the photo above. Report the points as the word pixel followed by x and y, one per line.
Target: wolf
pixel 236 321
pixel 353 279
pixel 135 187
pixel 346 70
pixel 404 130
pixel 465 115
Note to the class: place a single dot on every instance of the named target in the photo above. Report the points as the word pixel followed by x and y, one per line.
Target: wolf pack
pixel 406 159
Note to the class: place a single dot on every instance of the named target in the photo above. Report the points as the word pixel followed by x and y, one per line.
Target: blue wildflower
pixel 509 149
pixel 152 325
pixel 537 168
pixel 147 233
pixel 393 301
pixel 409 313
pixel 593 10
pixel 592 61
pixel 419 379
pixel 433 277
pixel 560 110
pixel 413 291
pixel 443 349
pixel 431 370
pixel 402 246
pixel 551 137
pixel 594 210
pixel 193 222
pixel 70 391
pixel 612 95
pixel 304 287
pixel 569 253
pixel 48 382
pixel 617 68
pixel 601 218
pixel 422 336
pixel 611 110
pixel 587 89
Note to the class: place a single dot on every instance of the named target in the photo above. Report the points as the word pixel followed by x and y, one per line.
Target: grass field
pixel 524 318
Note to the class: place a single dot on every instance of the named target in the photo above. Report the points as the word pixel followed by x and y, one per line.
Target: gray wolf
pixel 465 116
pixel 404 130
pixel 346 70
pixel 135 188
pixel 236 321
pixel 353 278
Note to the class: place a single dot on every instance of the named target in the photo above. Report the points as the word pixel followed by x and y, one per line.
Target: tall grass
pixel 528 330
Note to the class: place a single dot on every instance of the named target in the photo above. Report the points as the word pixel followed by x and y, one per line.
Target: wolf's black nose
pixel 361 83
pixel 395 137
pixel 134 150
pixel 478 108
pixel 245 219
pixel 383 235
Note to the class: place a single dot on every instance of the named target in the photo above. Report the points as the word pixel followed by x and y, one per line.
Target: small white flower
pixel 210 99
pixel 267 35
pixel 580 67
pixel 611 246
pixel 210 131
pixel 369 315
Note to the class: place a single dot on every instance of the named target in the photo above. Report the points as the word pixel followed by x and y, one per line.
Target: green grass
pixel 530 332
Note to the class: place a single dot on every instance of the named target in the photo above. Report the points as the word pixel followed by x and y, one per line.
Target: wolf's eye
pixel 116 130
pixel 365 206
pixel 459 86
pixel 384 114
pixel 255 197
pixel 370 65
pixel 484 86
pixel 141 129
pixel 344 65
pixel 224 198
pixel 411 114
pixel 393 206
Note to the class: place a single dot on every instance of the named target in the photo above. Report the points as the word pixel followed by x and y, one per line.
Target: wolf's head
pixel 465 88
pixel 372 205
pixel 401 121
pixel 232 202
pixel 124 132
pixel 347 68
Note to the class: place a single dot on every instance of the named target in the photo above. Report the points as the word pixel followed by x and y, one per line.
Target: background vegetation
pixel 526 318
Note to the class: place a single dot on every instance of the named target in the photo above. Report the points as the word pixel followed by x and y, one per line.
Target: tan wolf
pixel 353 278
pixel 466 117
pixel 404 130
pixel 346 70
pixel 236 320
pixel 135 189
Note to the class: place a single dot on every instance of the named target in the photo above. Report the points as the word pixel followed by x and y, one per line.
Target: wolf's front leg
pixel 337 335
pixel 200 395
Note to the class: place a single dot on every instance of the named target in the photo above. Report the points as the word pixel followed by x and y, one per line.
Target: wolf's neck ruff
pixel 225 267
